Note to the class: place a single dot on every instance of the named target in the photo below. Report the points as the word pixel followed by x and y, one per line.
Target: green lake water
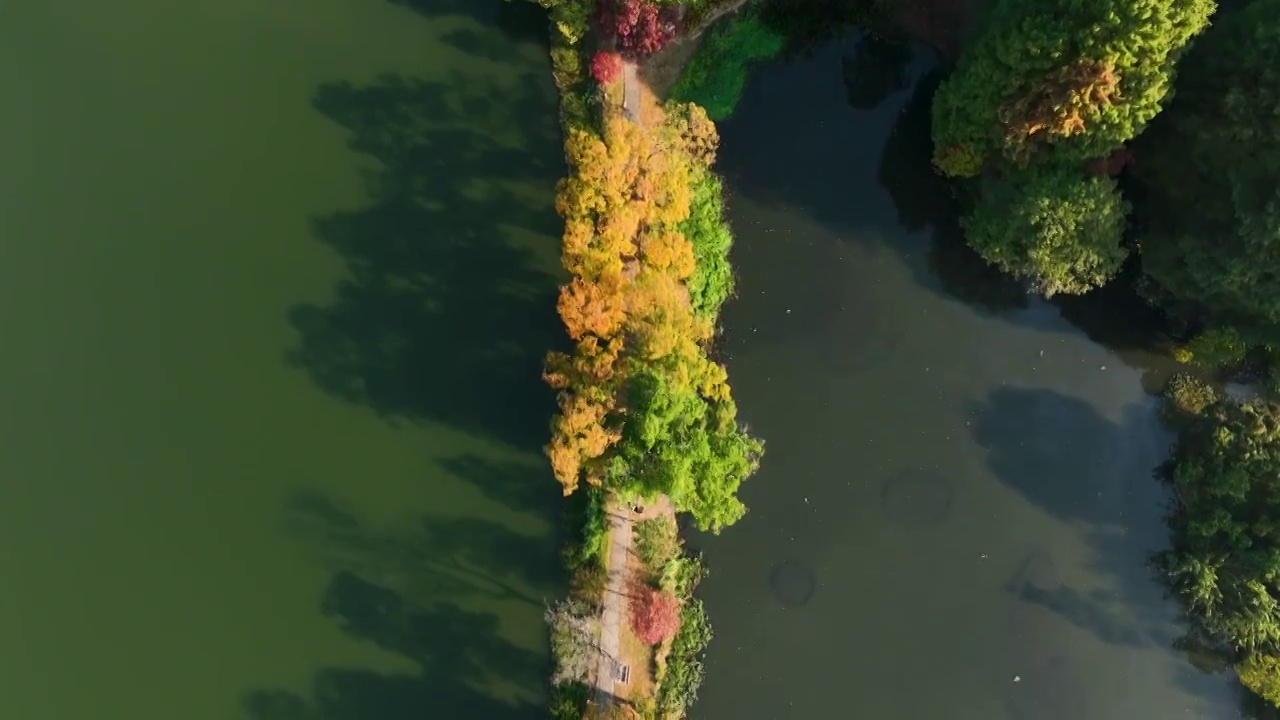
pixel 956 506
pixel 276 280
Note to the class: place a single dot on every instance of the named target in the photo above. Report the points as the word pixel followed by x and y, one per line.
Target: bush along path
pixel 646 425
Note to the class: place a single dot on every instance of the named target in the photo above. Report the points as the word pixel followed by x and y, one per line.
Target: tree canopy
pixel 1225 560
pixel 1060 231
pixel 1212 243
pixel 1060 80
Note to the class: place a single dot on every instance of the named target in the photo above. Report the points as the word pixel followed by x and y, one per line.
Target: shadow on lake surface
pixel 401 592
pixel 442 316
pixel 1096 475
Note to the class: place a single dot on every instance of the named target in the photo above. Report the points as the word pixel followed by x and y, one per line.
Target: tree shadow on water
pixel 442 316
pixel 924 201
pixel 457 654
pixel 409 592
pixel 1096 476
pixel 519 21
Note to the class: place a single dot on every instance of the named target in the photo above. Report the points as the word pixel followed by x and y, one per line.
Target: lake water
pixel 965 473
pixel 276 282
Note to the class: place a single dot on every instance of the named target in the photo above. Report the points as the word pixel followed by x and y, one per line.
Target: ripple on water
pixel 792 583
pixel 920 497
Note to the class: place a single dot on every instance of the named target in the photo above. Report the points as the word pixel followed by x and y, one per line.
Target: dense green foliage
pixel 1047 87
pixel 1225 560
pixel 1261 674
pixel 657 543
pixel 715 76
pixel 1214 348
pixel 1212 243
pixel 685 670
pixel 682 444
pixel 1058 230
pixel 1060 80
pixel 712 280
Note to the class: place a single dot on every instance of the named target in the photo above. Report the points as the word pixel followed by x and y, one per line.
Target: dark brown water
pixel 966 471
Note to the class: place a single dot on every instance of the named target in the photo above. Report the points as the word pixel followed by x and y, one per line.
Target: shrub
pixel 682 575
pixel 657 542
pixel 655 615
pixel 606 67
pixel 1187 395
pixel 1216 348
pixel 568 701
pixel 588 583
pixel 685 671
pixel 1261 673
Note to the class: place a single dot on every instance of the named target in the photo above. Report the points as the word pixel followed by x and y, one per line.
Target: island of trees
pixel 1090 141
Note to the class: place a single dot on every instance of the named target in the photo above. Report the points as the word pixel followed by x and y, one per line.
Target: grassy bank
pixel 646 417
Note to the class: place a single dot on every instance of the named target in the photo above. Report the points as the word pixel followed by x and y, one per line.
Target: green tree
pixel 1210 168
pixel 712 280
pixel 1062 80
pixel 1225 560
pixel 1058 229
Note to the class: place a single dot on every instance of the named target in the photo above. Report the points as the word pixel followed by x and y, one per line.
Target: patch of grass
pixel 657 542
pixel 717 73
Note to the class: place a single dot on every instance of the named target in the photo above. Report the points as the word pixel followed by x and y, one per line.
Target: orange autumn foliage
pixel 593 308
pixel 627 191
pixel 1062 105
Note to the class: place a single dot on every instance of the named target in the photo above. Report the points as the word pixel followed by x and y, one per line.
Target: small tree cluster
pixel 640 27
pixel 606 67
pixel 655 615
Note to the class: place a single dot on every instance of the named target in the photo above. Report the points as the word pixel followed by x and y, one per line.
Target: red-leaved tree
pixel 606 67
pixel 655 615
pixel 640 26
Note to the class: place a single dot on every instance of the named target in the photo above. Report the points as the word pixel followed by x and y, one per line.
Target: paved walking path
pixel 631 91
pixel 615 599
